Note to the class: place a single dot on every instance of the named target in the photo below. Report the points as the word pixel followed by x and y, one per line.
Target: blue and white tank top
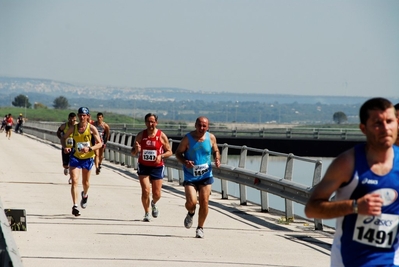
pixel 200 153
pixel 365 240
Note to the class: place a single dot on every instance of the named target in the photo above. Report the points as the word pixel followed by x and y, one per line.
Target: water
pixel 302 173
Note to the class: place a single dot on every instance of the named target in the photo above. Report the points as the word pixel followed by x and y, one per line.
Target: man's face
pixel 83 117
pixel 72 120
pixel 151 123
pixel 201 125
pixel 100 118
pixel 381 128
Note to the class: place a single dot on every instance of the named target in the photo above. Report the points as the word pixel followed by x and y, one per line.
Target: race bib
pixel 377 231
pixel 149 155
pixel 81 145
pixel 69 142
pixel 199 170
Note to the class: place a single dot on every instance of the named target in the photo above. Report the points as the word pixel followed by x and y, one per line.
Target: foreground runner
pixel 82 157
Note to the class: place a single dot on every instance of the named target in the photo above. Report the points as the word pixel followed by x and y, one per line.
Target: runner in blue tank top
pixel 194 152
pixel 366 205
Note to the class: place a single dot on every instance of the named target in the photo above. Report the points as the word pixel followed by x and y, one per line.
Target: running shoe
pixel 199 233
pixel 155 210
pixel 146 217
pixel 188 221
pixel 97 171
pixel 83 202
pixel 70 181
pixel 75 211
pixel 66 171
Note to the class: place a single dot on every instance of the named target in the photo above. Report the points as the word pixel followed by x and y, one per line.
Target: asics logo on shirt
pixel 369 181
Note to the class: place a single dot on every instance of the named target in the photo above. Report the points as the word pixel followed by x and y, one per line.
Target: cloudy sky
pixel 305 47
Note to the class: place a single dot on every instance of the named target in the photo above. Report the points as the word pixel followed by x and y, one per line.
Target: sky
pixel 301 47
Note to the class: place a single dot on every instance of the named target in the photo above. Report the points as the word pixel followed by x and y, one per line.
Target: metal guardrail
pixel 118 151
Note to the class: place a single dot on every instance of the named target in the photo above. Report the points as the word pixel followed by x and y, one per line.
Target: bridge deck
pixel 110 231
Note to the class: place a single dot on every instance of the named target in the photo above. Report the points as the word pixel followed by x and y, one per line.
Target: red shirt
pixel 10 121
pixel 151 147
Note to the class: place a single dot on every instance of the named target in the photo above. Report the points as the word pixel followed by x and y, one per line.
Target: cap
pixel 20 114
pixel 83 110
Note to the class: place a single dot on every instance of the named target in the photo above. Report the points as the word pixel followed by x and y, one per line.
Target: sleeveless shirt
pixel 82 140
pixel 200 153
pixel 365 240
pixel 151 147
pixel 101 131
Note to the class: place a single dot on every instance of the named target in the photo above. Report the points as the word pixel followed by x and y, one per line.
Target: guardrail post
pixel 288 133
pixel 181 176
pixel 117 153
pixel 262 133
pixel 264 196
pixel 289 208
pixel 122 156
pixel 129 158
pixel 343 134
pixel 318 223
pixel 241 164
pixel 223 183
pixel 112 152
pixel 316 133
pixel 169 170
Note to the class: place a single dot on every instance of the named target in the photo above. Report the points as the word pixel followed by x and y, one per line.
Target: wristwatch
pixel 90 149
pixel 354 206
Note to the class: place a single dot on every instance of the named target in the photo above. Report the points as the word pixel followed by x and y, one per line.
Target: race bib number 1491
pixel 377 231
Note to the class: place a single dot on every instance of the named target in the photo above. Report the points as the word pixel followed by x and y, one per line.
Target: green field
pixel 58 115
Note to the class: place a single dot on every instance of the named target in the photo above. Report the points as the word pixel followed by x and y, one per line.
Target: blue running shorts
pixel 81 163
pixel 155 173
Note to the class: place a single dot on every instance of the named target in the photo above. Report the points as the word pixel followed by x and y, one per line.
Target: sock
pixel 191 214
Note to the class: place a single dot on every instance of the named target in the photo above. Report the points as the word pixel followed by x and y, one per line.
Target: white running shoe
pixel 199 233
pixel 146 217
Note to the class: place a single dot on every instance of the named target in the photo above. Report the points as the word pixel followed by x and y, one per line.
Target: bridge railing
pixel 261 132
pixel 118 151
pixel 220 130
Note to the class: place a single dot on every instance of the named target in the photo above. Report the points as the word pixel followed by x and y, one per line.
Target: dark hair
pixel 377 103
pixel 100 114
pixel 396 107
pixel 149 115
pixel 71 115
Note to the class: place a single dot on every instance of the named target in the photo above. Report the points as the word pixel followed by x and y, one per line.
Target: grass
pixel 57 115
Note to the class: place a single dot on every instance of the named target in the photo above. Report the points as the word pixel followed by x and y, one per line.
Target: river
pixel 302 173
